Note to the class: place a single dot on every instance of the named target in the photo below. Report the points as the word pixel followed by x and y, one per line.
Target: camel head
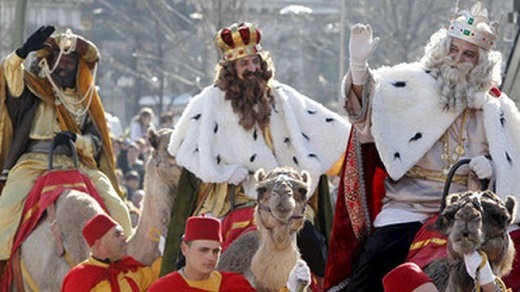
pixel 283 191
pixel 477 220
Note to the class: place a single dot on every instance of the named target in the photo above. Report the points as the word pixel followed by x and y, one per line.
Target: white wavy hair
pixel 458 83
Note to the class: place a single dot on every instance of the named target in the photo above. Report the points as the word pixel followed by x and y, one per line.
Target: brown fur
pixel 474 221
pixel 267 256
pixel 74 209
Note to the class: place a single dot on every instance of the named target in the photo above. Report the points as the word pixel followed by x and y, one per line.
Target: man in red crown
pixel 201 246
pixel 246 121
pixel 109 268
pixel 412 123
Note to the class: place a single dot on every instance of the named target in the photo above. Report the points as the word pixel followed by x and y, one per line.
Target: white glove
pixel 472 262
pixel 300 275
pixel 481 166
pixel 238 175
pixel 361 47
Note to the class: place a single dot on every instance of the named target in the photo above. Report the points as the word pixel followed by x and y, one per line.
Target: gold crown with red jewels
pixel 474 26
pixel 238 40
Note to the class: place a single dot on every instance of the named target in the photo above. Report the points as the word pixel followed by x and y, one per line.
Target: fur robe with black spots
pixel 209 142
pixel 407 120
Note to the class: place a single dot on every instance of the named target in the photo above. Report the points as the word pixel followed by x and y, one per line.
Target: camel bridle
pixel 282 180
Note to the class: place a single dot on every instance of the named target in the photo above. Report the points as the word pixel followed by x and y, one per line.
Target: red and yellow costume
pixel 94 275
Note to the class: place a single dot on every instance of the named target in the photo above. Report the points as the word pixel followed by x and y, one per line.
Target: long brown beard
pixel 251 99
pixel 455 84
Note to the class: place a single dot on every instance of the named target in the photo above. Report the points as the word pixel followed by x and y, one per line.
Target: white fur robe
pixel 209 142
pixel 407 120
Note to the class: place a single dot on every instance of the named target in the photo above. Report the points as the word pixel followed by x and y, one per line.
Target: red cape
pixel 360 194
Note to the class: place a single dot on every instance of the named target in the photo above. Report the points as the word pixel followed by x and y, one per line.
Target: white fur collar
pixel 407 118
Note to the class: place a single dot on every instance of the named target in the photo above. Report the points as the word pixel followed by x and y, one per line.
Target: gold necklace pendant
pixel 460 150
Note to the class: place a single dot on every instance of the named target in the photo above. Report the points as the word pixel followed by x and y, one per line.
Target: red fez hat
pixel 96 227
pixel 201 227
pixel 405 278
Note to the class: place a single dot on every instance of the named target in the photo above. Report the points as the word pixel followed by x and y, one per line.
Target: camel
pixel 266 256
pixel 473 221
pixel 46 269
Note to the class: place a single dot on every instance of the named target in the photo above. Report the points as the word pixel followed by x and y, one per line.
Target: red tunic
pixel 230 282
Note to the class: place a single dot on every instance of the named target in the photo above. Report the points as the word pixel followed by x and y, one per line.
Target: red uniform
pixel 123 276
pixel 218 281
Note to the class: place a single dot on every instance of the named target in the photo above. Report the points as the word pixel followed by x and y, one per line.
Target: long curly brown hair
pixel 250 99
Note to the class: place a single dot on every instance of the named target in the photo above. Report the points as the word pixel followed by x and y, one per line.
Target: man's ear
pixel 184 248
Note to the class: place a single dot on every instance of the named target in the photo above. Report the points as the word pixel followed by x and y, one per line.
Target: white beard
pixel 455 87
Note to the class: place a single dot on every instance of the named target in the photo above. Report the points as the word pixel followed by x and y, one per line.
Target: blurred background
pixel 159 53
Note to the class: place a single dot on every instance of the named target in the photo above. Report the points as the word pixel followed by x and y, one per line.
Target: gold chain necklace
pixel 447 157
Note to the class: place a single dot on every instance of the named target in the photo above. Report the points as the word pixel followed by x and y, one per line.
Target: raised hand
pixel 35 41
pixel 361 47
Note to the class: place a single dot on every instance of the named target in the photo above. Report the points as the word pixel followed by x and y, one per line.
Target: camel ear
pixel 445 219
pixel 453 198
pixel 511 204
pixel 153 138
pixel 260 175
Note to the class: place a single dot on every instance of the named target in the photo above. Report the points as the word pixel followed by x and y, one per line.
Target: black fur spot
pixel 397 155
pixel 312 111
pixel 196 117
pixel 417 136
pixel 252 158
pixel 295 160
pixel 329 120
pixel 427 71
pixel 215 130
pixel 305 136
pixel 196 150
pixel 287 140
pixel 312 155
pixel 255 135
pixel 502 120
pixel 218 159
pixel 399 84
pixel 509 158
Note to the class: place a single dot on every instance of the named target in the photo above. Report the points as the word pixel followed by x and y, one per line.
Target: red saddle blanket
pixel 45 192
pixel 236 223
